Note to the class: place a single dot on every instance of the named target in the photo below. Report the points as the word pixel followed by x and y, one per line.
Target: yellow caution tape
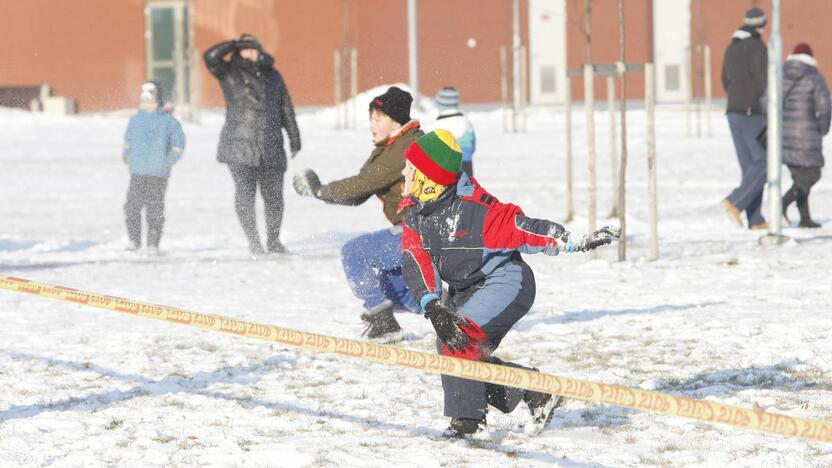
pixel 617 395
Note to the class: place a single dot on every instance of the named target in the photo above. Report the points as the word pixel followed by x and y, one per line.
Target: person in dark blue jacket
pixel 153 143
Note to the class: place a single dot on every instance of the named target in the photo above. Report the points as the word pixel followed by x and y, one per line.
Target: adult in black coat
pixel 258 108
pixel 806 116
pixel 744 79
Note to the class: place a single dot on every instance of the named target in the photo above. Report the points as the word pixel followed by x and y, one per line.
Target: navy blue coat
pixel 806 112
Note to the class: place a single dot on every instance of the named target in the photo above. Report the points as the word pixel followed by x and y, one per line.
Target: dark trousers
pixel 752 158
pixel 495 306
pixel 149 193
pixel 803 178
pixel 270 181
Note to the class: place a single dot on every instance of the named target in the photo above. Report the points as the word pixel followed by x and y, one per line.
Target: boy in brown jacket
pixel 372 262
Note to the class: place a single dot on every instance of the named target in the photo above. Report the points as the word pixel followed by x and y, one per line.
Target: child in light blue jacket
pixel 153 143
pixel 452 119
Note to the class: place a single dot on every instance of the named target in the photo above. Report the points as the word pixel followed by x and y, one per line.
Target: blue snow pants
pixel 753 162
pixel 495 305
pixel 373 265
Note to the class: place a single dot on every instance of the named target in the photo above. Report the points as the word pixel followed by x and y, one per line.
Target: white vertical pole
pixel 504 86
pixel 515 62
pixel 413 50
pixel 688 88
pixel 775 125
pixel 337 88
pixel 523 87
pixel 570 212
pixel 708 84
pixel 353 86
pixel 613 145
pixel 650 104
pixel 589 110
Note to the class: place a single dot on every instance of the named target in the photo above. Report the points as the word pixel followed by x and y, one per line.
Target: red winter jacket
pixel 464 237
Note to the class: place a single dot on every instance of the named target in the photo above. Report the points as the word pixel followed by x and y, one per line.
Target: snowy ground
pixel 716 317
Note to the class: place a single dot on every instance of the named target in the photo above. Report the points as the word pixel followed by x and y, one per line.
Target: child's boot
pixel 381 324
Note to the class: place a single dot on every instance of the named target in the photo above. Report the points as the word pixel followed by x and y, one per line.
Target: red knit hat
pixel 803 48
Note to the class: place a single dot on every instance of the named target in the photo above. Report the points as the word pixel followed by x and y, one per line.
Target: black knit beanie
pixel 395 102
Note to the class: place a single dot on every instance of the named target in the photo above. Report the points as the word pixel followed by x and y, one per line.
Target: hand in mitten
pixel 603 236
pixel 584 243
pixel 306 183
pixel 446 323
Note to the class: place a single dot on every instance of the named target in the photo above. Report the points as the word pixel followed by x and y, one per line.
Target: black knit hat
pixel 395 102
pixel 755 18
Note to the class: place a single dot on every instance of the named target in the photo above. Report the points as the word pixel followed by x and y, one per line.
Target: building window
pixel 547 79
pixel 168 36
pixel 671 77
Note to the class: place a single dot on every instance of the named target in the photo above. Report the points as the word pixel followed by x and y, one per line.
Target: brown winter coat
pixel 381 175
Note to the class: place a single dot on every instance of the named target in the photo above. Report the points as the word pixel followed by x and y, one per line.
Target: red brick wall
pixel 94 53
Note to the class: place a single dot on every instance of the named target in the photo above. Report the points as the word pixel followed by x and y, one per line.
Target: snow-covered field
pixel 717 317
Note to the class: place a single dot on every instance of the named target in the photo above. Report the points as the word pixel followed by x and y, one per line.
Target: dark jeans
pixel 149 193
pixel 752 158
pixel 803 178
pixel 373 265
pixel 496 305
pixel 246 181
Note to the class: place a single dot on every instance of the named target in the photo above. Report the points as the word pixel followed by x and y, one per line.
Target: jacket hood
pixel 799 65
pixel 463 188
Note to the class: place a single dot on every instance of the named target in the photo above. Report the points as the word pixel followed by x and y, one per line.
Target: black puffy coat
pixel 258 108
pixel 744 71
pixel 806 112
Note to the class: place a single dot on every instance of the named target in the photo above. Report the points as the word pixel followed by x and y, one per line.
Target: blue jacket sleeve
pixel 176 142
pixel 129 137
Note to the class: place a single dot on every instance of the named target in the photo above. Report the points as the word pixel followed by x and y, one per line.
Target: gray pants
pixel 752 158
pixel 270 181
pixel 495 306
pixel 149 193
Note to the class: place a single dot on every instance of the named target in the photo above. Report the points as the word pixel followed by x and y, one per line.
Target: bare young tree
pixel 622 179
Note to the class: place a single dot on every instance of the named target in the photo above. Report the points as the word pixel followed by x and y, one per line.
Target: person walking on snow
pixel 251 143
pixel 744 77
pixel 806 116
pixel 457 232
pixel 453 120
pixel 153 143
pixel 372 262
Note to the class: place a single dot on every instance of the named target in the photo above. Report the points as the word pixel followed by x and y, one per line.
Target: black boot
pixel 542 406
pixel 788 199
pixel 381 324
pixel 462 427
pixel 805 217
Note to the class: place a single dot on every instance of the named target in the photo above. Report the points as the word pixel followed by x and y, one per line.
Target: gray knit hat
pixel 447 98
pixel 755 18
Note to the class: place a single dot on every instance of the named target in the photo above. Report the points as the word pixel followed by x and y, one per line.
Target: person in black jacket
pixel 251 143
pixel 806 115
pixel 744 79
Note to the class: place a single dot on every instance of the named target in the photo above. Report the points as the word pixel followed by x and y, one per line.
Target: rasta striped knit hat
pixel 437 155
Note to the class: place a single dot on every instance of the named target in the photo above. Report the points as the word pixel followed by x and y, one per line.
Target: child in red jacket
pixel 455 231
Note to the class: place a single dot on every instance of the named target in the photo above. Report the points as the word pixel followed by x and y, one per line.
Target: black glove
pixel 306 183
pixel 585 243
pixel 603 236
pixel 446 323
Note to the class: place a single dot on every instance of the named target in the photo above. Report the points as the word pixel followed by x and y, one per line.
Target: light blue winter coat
pixel 154 141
